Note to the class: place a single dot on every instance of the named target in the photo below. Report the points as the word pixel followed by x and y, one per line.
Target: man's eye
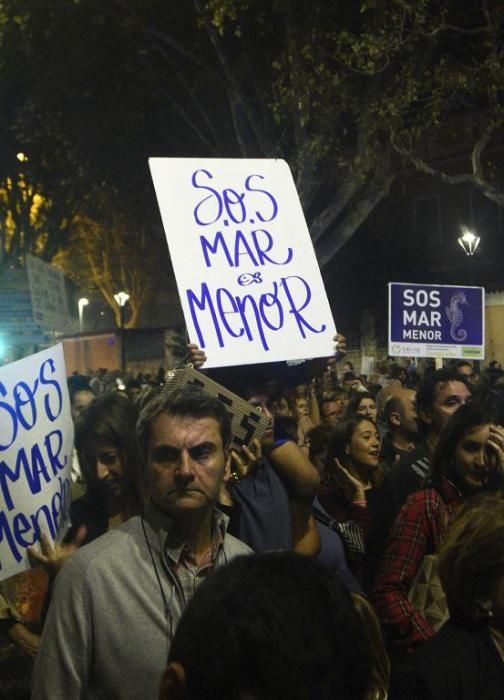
pixel 201 452
pixel 164 453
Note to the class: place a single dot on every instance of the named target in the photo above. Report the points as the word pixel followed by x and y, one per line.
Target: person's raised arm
pixel 302 482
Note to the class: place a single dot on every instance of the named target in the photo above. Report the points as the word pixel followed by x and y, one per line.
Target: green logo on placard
pixel 471 352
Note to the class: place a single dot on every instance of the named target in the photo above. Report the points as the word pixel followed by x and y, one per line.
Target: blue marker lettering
pixel 201 304
pixel 295 310
pixel 12 418
pixel 248 186
pixel 221 292
pixel 53 451
pixel 212 199
pixel 266 247
pixel 51 414
pixel 212 248
pixel 27 400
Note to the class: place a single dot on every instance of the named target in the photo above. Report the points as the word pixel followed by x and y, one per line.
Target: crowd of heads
pixel 257 613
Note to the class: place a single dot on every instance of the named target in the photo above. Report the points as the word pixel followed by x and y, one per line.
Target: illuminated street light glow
pixel 121 298
pixel 83 301
pixel 22 157
pixel 469 241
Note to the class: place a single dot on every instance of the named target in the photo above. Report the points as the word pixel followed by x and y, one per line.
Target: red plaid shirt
pixel 418 530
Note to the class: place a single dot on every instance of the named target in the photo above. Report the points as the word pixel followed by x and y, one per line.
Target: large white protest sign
pixel 36 439
pixel 247 275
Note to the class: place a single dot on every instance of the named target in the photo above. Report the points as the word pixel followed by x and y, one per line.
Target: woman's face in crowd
pixel 301 408
pixel 474 463
pixel 367 408
pixel 364 446
pixel 104 462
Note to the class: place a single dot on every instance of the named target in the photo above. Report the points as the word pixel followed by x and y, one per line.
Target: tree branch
pixel 357 214
pixel 475 179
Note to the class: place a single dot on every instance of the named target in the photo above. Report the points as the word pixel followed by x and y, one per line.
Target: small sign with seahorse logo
pixel 427 320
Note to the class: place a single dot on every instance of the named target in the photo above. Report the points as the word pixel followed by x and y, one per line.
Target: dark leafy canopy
pixel 357 90
pixel 72 81
pixel 350 93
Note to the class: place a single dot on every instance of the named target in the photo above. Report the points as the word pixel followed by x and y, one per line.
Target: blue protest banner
pixel 36 439
pixel 427 320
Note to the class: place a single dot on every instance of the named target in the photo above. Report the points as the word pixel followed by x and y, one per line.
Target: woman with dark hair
pixel 352 479
pixel 471 643
pixel 468 460
pixel 105 439
pixel 362 403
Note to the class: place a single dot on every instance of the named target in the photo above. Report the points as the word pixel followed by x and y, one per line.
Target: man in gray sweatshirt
pixel 117 601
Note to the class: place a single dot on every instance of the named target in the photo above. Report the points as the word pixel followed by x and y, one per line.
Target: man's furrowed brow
pixel 164 453
pixel 169 453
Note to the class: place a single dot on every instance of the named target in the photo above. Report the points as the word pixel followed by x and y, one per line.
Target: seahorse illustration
pixel 455 316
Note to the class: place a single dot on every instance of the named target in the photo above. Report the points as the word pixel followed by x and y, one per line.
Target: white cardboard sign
pixel 48 295
pixel 36 439
pixel 247 275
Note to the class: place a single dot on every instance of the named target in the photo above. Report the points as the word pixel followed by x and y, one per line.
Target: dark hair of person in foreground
pixel 465 659
pixel 269 626
pixel 471 562
pixel 15 673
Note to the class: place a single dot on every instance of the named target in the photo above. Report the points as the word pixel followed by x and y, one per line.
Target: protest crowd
pixel 353 549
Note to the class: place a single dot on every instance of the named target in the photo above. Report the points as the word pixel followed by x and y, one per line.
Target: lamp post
pixel 81 304
pixel 121 298
pixel 469 241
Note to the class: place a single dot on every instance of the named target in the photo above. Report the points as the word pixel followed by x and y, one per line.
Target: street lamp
pixel 81 304
pixel 121 298
pixel 469 241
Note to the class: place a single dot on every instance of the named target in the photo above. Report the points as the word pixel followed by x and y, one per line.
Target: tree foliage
pixel 360 91
pixel 75 107
pixel 110 257
pixel 351 94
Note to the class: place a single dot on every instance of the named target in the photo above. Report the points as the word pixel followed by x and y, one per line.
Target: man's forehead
pixel 167 424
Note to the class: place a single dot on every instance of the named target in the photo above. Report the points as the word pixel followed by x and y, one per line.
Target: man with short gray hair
pixel 117 601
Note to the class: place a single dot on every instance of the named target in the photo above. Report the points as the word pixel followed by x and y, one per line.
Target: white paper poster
pixel 247 275
pixel 48 296
pixel 36 440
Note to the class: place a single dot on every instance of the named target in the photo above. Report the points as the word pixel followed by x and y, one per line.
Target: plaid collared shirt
pixel 418 530
pixel 183 563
